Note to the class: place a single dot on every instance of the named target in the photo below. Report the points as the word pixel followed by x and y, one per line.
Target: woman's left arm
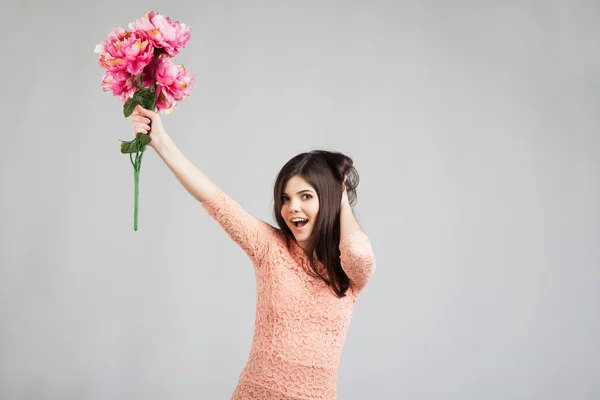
pixel 356 254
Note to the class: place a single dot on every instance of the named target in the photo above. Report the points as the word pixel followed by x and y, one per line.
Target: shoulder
pixel 280 241
pixel 279 236
pixel 273 231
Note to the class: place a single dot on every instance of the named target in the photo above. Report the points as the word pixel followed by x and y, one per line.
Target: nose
pixel 294 206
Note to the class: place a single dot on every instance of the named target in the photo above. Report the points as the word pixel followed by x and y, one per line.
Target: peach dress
pixel 300 324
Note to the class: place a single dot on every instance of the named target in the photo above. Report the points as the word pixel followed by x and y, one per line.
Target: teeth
pixel 299 219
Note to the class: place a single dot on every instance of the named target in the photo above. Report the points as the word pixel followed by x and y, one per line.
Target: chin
pixel 303 238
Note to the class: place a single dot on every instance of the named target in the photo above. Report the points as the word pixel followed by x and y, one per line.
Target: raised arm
pixel 191 178
pixel 356 254
pixel 250 233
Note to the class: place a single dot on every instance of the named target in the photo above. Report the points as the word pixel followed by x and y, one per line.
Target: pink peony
pixel 166 72
pixel 162 33
pixel 139 70
pixel 120 84
pixel 173 82
pixel 165 102
pixel 125 51
pixel 177 91
pixel 182 85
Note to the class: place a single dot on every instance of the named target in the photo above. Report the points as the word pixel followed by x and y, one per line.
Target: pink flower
pixel 139 70
pixel 177 91
pixel 181 86
pixel 173 82
pixel 165 102
pixel 161 32
pixel 125 51
pixel 166 72
pixel 120 84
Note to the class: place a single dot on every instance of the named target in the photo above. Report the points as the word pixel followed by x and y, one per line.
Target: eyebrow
pixel 300 192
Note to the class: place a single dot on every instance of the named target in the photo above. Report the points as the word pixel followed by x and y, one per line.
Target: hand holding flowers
pixel 140 72
pixel 148 122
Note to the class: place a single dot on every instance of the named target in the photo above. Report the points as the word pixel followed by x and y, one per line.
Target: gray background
pixel 474 126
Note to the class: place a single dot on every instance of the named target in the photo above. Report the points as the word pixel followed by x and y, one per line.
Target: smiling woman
pixel 309 271
pixel 300 209
pixel 309 186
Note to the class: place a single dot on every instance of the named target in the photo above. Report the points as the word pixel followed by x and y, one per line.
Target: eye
pixel 284 198
pixel 307 195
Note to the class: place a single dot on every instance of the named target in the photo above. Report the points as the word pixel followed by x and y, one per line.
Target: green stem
pixel 155 57
pixel 136 175
pixel 137 164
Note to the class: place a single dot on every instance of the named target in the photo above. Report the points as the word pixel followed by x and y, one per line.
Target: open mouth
pixel 299 223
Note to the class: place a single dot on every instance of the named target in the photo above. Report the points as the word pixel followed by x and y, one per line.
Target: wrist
pixel 161 145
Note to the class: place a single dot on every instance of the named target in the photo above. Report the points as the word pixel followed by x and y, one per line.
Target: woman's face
pixel 299 202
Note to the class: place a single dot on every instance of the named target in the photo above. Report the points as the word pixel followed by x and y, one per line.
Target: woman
pixel 304 304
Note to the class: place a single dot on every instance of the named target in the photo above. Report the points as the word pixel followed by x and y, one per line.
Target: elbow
pixel 361 269
pixel 366 272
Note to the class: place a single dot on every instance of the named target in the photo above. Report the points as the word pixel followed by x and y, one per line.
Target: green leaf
pixel 144 140
pixel 145 98
pixel 129 106
pixel 139 80
pixel 128 147
pixel 137 144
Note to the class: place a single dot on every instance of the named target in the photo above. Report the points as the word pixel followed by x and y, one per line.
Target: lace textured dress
pixel 300 324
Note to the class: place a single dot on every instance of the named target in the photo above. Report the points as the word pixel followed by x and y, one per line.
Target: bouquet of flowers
pixel 140 70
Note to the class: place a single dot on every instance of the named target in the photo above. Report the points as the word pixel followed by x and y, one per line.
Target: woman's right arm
pixel 250 233
pixel 191 178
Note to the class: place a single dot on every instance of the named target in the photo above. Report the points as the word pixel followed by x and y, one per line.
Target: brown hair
pixel 325 171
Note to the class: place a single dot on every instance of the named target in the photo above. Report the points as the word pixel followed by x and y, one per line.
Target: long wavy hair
pixel 325 171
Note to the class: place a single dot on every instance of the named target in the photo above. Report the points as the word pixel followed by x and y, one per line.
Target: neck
pixel 304 247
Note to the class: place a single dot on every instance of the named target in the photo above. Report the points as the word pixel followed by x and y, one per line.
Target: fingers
pixel 141 119
pixel 142 111
pixel 140 127
pixel 137 118
pixel 140 124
